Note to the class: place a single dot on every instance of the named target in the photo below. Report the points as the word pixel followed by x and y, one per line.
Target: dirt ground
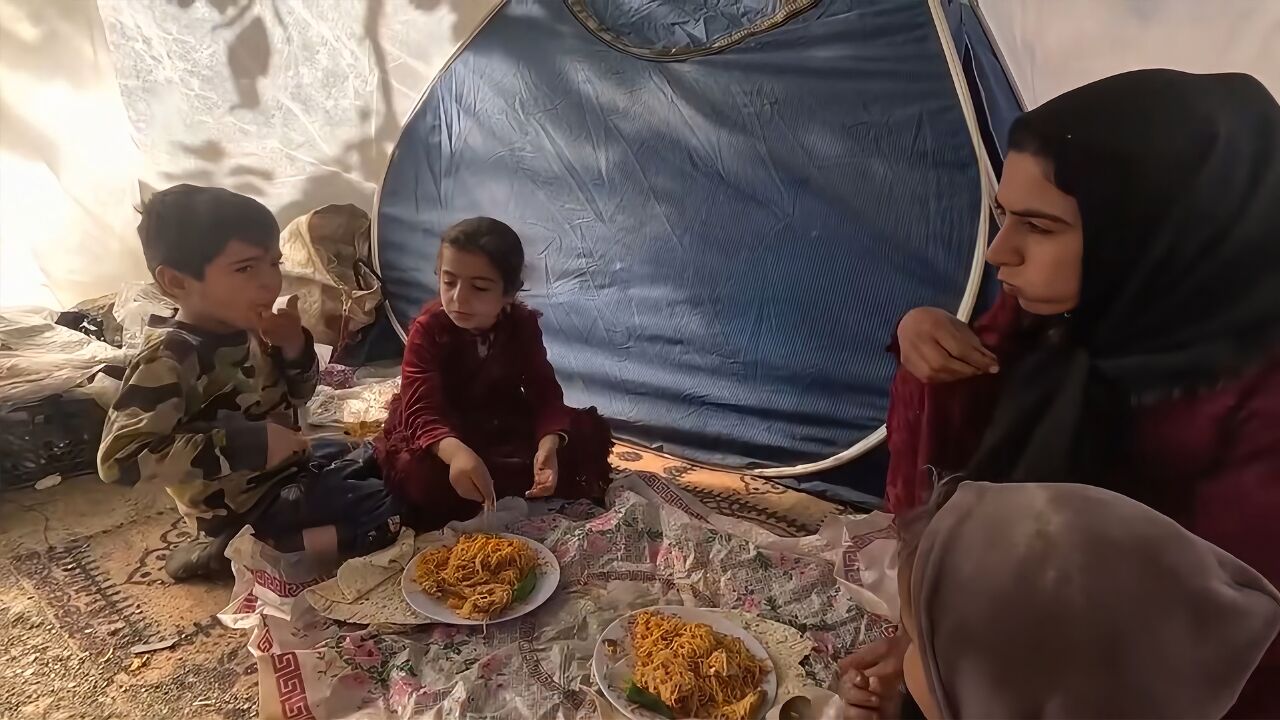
pixel 81 585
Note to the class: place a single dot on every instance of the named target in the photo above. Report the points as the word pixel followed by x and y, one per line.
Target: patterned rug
pixel 776 508
pixel 93 604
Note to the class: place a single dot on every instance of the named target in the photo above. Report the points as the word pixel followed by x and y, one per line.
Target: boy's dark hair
pixel 186 226
pixel 497 242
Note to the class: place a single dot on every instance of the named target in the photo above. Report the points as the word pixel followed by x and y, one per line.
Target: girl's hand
pixel 546 468
pixel 871 678
pixel 936 347
pixel 467 472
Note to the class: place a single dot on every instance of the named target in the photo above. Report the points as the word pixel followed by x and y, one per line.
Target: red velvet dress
pixel 1210 460
pixel 498 394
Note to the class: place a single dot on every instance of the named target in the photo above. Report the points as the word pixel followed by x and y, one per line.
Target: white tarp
pixel 68 163
pixel 299 102
pixel 295 102
pixel 1051 46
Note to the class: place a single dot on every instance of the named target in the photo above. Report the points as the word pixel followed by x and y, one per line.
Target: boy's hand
pixel 467 472
pixel 284 445
pixel 546 467
pixel 283 329
pixel 936 347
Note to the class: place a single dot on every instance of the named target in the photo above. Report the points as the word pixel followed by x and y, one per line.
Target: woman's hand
pixel 936 347
pixel 467 472
pixel 870 680
pixel 546 467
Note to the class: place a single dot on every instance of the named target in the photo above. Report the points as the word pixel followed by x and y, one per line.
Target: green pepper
pixel 525 587
pixel 648 701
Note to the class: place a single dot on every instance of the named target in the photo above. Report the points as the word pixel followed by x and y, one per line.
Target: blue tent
pixel 727 206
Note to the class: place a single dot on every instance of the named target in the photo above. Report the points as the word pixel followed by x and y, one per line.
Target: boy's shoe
pixel 203 557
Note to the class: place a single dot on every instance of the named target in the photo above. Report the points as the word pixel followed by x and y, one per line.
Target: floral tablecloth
pixel 806 597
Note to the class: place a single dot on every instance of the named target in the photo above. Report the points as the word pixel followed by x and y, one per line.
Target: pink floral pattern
pixel 363 652
pixel 824 643
pixel 596 544
pixel 605 522
pixel 631 556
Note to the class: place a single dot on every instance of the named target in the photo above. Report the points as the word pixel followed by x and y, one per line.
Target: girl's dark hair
pixel 496 241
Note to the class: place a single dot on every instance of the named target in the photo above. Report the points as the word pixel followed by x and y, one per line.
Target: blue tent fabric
pixel 721 246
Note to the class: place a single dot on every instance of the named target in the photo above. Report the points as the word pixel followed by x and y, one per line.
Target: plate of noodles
pixel 480 578
pixel 664 663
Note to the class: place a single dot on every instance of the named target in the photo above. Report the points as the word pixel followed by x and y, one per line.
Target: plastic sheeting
pixel 295 102
pixel 39 358
pixel 722 246
pixel 1051 46
pixel 68 164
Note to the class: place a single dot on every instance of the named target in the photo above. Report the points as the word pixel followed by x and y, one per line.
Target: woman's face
pixel 1040 247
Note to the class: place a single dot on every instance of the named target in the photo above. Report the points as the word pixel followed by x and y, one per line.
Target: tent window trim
pixel 787 11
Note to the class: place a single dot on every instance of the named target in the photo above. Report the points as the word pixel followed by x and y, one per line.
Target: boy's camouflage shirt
pixel 192 415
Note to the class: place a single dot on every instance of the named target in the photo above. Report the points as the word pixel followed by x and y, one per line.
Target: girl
pixel 1137 343
pixel 1068 601
pixel 479 414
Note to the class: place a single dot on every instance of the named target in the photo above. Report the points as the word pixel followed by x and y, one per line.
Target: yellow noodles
pixel 476 576
pixel 697 671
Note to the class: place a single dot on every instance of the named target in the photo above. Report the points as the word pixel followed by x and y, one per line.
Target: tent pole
pixel 986 176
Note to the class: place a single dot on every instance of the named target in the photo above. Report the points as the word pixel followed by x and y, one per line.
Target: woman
pixel 1136 345
pixel 1062 600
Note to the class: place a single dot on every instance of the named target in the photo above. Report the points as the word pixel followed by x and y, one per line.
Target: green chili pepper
pixel 648 701
pixel 525 587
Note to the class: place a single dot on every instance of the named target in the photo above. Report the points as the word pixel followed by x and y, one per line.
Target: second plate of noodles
pixel 681 662
pixel 480 578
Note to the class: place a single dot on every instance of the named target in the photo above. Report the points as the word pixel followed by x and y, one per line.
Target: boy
pixel 206 408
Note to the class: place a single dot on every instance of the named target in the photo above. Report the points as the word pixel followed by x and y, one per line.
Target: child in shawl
pixel 1068 601
pixel 480 414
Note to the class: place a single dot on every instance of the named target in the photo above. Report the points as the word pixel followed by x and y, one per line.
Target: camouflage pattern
pixel 192 415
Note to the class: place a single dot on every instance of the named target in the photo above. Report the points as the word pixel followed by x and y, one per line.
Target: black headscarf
pixel 1177 177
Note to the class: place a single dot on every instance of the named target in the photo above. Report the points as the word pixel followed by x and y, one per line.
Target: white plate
pixel 436 609
pixel 612 673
